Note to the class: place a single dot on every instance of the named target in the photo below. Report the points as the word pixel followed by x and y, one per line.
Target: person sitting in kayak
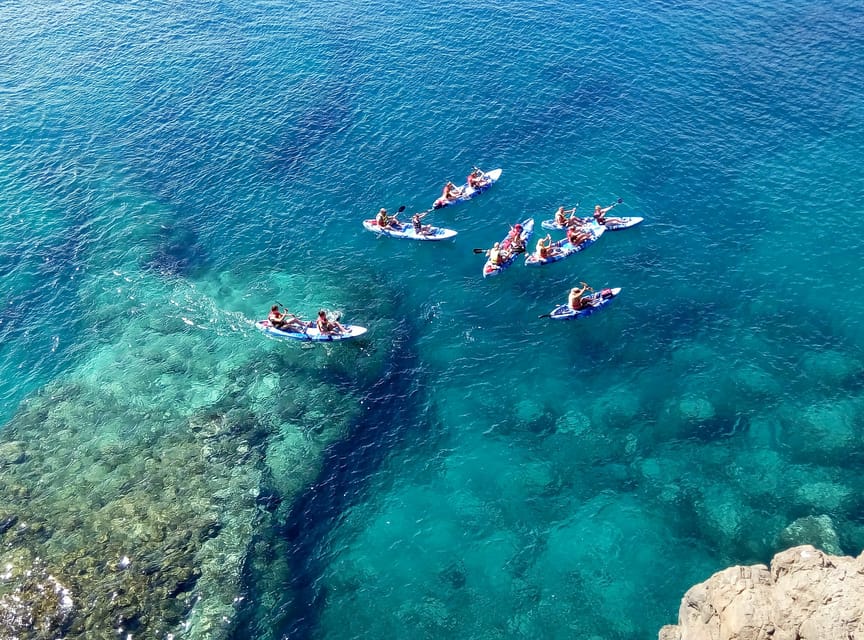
pixel 450 192
pixel 326 326
pixel 544 248
pixel 515 239
pixel 576 301
pixel 494 254
pixel 384 221
pixel 576 235
pixel 477 179
pixel 419 227
pixel 517 244
pixel 284 321
pixel 600 213
pixel 561 215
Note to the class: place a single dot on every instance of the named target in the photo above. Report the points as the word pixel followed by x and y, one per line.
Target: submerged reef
pixel 121 513
pixel 136 525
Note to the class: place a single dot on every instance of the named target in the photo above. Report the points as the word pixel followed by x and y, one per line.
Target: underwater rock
pixel 723 513
pixel 527 410
pixel 11 453
pixel 430 617
pixel 806 594
pixel 827 496
pixel 33 603
pixel 831 367
pixel 617 406
pixel 695 408
pixel 823 431
pixel 815 530
pixel 573 422
pixel 754 381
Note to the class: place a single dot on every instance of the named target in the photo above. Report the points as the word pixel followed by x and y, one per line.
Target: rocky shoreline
pixel 805 594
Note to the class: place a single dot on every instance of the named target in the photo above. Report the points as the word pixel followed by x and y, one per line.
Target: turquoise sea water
pixel 166 173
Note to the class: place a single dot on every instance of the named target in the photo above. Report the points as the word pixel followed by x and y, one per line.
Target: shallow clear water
pixel 513 477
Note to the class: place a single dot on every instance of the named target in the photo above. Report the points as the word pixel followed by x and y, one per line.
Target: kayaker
pixel 517 244
pixel 494 254
pixel 561 215
pixel 419 227
pixel 451 191
pixel 283 320
pixel 576 236
pixel 327 327
pixel 543 248
pixel 515 241
pixel 514 235
pixel 600 213
pixel 384 221
pixel 477 179
pixel 576 301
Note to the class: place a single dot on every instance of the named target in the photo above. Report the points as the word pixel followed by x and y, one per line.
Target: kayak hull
pixel 490 269
pixel 407 232
pixel 612 224
pixel 563 248
pixel 312 334
pixel 603 298
pixel 469 192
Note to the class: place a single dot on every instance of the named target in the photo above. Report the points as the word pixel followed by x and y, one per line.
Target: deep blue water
pixel 516 477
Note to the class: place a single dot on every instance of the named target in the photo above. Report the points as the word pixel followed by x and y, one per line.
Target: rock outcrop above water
pixel 806 594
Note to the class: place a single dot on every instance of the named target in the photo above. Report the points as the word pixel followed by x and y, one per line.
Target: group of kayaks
pixel 590 232
pixel 409 231
pixel 507 251
pixel 584 232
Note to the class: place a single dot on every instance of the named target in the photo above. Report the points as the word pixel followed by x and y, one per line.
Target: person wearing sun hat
pixel 575 300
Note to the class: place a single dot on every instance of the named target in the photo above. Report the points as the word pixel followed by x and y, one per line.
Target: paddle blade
pixel 479 250
pixel 400 209
pixel 620 200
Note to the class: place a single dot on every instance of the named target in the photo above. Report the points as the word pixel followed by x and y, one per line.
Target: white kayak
pixel 526 230
pixel 406 230
pixel 469 192
pixel 598 301
pixel 311 333
pixel 611 224
pixel 564 249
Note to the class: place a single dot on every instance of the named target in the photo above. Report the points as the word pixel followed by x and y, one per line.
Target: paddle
pixel 614 204
pixel 398 211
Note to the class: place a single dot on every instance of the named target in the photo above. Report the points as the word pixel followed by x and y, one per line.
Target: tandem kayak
pixel 598 301
pixel 469 192
pixel 490 269
pixel 564 249
pixel 311 334
pixel 611 224
pixel 406 230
